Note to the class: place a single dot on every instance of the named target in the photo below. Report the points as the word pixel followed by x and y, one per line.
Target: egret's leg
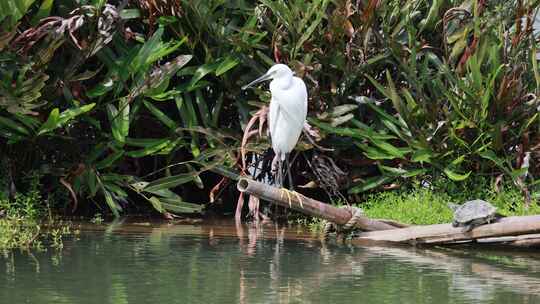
pixel 280 173
pixel 275 167
pixel 288 168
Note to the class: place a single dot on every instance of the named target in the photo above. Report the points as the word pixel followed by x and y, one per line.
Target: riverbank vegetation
pixel 135 106
pixel 422 205
pixel 26 221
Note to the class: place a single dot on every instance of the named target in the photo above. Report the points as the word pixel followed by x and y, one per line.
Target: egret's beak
pixel 260 79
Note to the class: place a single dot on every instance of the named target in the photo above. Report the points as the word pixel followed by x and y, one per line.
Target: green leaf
pixel 44 11
pixel 432 16
pixel 401 172
pixel 29 122
pixel 142 58
pixel 92 182
pixel 167 48
pixel 156 203
pixel 456 176
pixel 201 71
pixel 171 124
pixel 101 88
pixel 15 9
pixel 109 160
pixel 169 182
pixel 150 149
pixel 374 153
pixel 116 189
pixel 306 33
pixel 13 125
pixel 490 155
pixel 391 149
pixel 226 64
pixel 163 193
pixel 412 173
pixel 69 114
pixel 369 184
pixel 179 206
pixel 57 120
pixel 51 122
pixel 216 111
pixel 122 120
pixel 113 205
pixel 119 120
pixel 203 109
pixel 339 131
pixel 392 170
pixel 422 156
pixel 11 136
pixel 144 142
pixel 384 115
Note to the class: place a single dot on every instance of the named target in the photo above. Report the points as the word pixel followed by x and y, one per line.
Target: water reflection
pixel 258 263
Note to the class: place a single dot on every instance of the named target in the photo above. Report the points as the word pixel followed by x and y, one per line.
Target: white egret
pixel 288 110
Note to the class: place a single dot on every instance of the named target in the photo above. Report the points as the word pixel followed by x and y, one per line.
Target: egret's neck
pixel 282 82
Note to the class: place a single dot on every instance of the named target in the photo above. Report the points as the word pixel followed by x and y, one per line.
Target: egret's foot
pixel 299 198
pixel 288 193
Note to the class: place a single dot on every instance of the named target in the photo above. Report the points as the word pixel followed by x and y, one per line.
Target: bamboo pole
pixel 306 205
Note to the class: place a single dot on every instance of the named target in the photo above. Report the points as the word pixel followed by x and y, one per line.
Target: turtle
pixel 474 213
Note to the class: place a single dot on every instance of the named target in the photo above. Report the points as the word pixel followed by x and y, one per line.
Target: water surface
pixel 224 263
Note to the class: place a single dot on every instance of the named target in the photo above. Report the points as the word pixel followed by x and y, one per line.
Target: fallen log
pixel 381 231
pixel 309 206
pixel 525 240
pixel 446 233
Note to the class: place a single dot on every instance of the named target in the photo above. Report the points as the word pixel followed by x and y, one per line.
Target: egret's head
pixel 277 71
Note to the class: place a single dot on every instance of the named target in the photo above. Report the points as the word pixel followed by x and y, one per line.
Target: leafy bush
pixel 452 96
pixel 121 104
pixel 29 206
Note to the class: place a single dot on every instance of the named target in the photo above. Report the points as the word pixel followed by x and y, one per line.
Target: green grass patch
pixel 423 206
pixel 419 206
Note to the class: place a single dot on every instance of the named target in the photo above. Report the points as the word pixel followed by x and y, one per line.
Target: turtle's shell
pixel 475 211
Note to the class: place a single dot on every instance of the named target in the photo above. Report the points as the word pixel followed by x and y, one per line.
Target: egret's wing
pixel 293 104
pixel 275 110
pixel 272 116
pixel 288 115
